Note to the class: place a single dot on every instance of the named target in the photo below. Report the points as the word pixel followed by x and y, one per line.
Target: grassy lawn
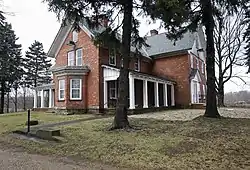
pixel 14 121
pixel 198 144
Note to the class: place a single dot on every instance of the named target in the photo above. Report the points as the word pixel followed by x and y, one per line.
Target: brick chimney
pixel 153 32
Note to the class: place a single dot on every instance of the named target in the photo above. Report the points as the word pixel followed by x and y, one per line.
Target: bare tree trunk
pixel 15 102
pixel 211 104
pixel 8 102
pixel 24 98
pixel 121 117
pixel 2 97
pixel 221 96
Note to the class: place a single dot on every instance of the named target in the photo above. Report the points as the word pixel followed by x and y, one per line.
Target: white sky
pixel 32 21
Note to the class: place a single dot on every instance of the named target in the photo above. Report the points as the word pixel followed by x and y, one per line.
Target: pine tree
pixel 37 65
pixel 10 60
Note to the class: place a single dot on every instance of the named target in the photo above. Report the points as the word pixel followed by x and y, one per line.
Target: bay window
pixel 75 89
pixel 61 89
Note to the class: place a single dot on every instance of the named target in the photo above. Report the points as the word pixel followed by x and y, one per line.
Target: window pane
pixel 79 57
pixel 61 84
pixel 71 58
pixel 75 83
pixel 75 93
pixel 75 36
pixel 61 94
pixel 112 57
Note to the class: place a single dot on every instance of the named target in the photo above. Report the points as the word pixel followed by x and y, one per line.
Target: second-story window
pixel 112 56
pixel 137 64
pixel 79 57
pixel 75 36
pixel 71 58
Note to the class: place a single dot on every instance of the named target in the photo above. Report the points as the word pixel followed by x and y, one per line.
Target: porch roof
pixel 46 86
pixel 138 75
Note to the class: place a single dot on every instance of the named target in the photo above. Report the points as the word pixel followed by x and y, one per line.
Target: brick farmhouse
pixel 85 76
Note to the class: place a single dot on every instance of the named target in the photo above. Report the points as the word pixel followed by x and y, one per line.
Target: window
pixel 61 89
pixel 79 57
pixel 137 64
pixel 71 58
pixel 112 57
pixel 112 90
pixel 75 36
pixel 75 89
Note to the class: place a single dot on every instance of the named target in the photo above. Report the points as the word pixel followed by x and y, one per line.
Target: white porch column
pixel 50 98
pixel 145 94
pixel 42 99
pixel 35 99
pixel 105 94
pixel 172 96
pixel 131 92
pixel 165 94
pixel 156 95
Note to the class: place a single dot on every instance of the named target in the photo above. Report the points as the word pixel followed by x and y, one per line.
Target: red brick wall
pixel 145 63
pixel 90 58
pixel 176 68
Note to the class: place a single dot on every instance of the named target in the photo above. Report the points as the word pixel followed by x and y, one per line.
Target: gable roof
pixel 160 44
pixel 63 33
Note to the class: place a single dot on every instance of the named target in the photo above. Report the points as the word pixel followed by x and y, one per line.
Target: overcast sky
pixel 32 21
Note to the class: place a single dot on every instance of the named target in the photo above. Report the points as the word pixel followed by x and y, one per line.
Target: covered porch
pixel 44 96
pixel 145 91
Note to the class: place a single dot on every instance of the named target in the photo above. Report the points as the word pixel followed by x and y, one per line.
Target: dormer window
pixel 137 64
pixel 112 57
pixel 75 36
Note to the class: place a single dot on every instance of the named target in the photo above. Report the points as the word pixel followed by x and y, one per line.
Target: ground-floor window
pixel 75 89
pixel 61 88
pixel 113 90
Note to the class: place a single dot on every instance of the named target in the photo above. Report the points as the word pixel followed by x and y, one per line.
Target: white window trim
pixel 139 64
pixel 77 64
pixel 61 89
pixel 73 58
pixel 112 56
pixel 115 91
pixel 80 90
pixel 74 36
